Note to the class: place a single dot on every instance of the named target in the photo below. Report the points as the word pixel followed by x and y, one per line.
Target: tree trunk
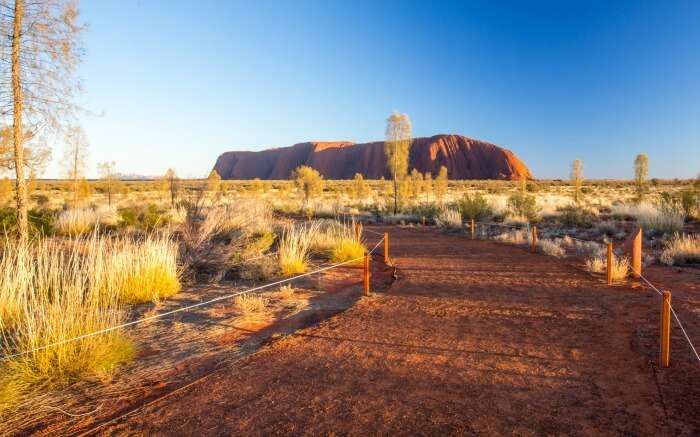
pixel 20 181
pixel 396 203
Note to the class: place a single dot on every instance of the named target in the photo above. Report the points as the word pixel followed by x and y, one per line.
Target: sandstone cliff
pixel 464 158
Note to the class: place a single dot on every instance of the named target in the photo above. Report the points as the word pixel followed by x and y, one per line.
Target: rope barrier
pixel 653 287
pixel 178 310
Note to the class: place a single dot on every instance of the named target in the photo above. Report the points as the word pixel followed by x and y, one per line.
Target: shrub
pixel 608 228
pixel 575 217
pixel 347 249
pixel 515 236
pixel 654 218
pixel 251 307
pixel 523 205
pixel 681 249
pixel 474 207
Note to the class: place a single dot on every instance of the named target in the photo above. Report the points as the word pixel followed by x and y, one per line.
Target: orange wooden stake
pixel 610 262
pixel 386 248
pixel 473 229
pixel 534 238
pixel 637 254
pixel 366 275
pixel 665 357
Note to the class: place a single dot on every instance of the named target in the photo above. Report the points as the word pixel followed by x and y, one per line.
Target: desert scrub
pixel 551 247
pixel 449 219
pixel 474 207
pixel 75 222
pixel 338 241
pixel 595 265
pixel 681 249
pixel 651 217
pixel 523 205
pixel 295 246
pixel 515 236
pixel 251 307
pixel 49 293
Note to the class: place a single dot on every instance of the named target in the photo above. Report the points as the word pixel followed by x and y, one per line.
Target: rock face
pixel 464 158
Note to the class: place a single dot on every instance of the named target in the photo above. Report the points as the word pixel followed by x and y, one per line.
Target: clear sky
pixel 175 83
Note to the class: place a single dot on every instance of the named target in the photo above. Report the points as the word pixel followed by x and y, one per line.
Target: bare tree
pixel 108 173
pixel 396 148
pixel 39 52
pixel 171 181
pixel 577 178
pixel 641 171
pixel 75 158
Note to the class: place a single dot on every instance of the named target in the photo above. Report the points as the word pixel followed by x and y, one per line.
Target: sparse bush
pixel 608 228
pixel 515 236
pixel 575 217
pixel 523 205
pixel 681 249
pixel 551 247
pixel 474 207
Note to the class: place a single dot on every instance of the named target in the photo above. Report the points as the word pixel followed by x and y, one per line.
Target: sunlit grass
pixel 295 246
pixel 681 249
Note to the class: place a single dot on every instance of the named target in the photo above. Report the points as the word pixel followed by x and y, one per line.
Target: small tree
pixel 359 188
pixel 84 190
pixel 109 176
pixel 416 183
pixel 309 181
pixel 75 158
pixel 428 184
pixel 641 172
pixel 396 149
pixel 214 181
pixel 441 184
pixel 171 183
pixel 577 178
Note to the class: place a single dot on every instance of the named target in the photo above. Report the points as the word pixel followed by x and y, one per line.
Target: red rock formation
pixel 464 158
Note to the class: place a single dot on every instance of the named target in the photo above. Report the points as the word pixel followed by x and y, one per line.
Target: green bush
pixel 128 217
pixel 474 207
pixel 40 222
pixel 575 217
pixel 522 205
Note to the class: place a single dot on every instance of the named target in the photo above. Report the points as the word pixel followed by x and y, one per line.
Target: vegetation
pixel 309 181
pixel 641 172
pixel 681 249
pixel 577 178
pixel 396 149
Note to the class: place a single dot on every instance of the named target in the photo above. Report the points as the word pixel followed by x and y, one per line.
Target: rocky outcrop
pixel 464 158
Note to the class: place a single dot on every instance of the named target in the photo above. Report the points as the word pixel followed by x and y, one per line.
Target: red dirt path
pixel 474 337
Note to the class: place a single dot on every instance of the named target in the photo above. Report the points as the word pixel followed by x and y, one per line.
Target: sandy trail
pixel 475 337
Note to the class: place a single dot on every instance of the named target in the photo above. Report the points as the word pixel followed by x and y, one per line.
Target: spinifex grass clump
pixel 77 221
pixel 339 241
pixel 251 307
pixel 50 293
pixel 143 270
pixel 682 249
pixel 294 248
pixel 620 268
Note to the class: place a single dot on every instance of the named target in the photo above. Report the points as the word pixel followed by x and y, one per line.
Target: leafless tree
pixel 39 51
pixel 108 173
pixel 75 158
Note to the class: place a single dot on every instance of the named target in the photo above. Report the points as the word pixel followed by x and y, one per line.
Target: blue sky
pixel 174 84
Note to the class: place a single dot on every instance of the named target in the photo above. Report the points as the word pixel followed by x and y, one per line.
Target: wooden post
pixel 665 357
pixel 534 239
pixel 637 254
pixel 358 232
pixel 366 275
pixel 386 248
pixel 610 263
pixel 473 229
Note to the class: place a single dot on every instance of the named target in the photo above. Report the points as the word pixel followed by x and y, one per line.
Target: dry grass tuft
pixel 251 307
pixel 595 265
pixel 75 222
pixel 552 247
pixel 620 268
pixel 295 246
pixel 681 249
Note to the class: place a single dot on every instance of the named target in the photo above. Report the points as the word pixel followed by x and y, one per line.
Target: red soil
pixel 474 337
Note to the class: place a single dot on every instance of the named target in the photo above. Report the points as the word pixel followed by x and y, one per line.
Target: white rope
pixel 178 310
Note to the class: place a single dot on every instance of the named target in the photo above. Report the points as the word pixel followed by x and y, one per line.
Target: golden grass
pixel 681 249
pixel 620 268
pixel 338 241
pixel 347 250
pixel 74 222
pixel 295 246
pixel 49 293
pixel 595 265
pixel 251 307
